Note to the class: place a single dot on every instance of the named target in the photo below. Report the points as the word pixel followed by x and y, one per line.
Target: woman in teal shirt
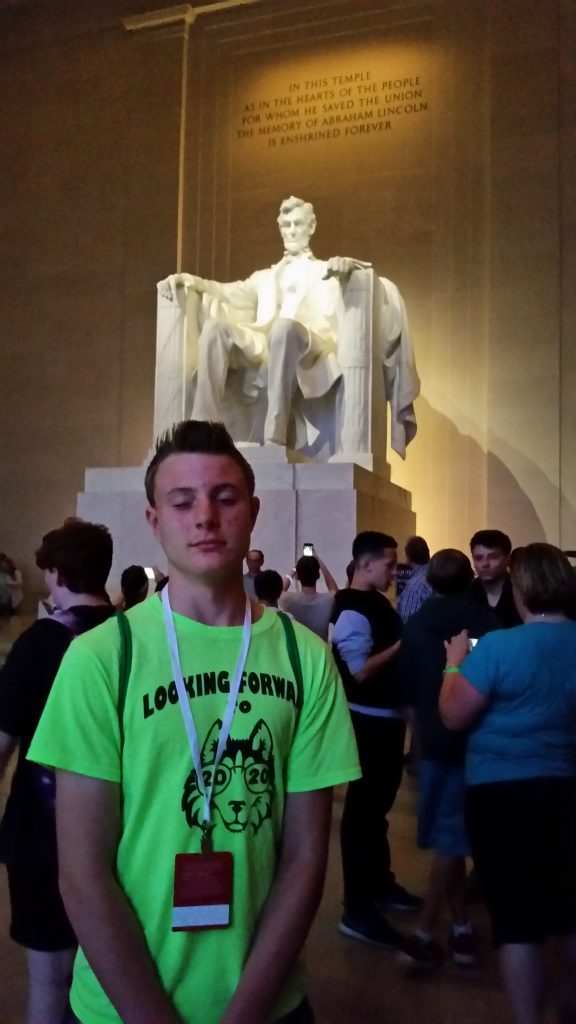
pixel 516 691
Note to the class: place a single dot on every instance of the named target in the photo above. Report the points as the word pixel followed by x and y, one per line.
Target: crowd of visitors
pixel 206 724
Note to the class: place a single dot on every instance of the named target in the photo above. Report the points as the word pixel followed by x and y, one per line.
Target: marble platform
pixel 325 503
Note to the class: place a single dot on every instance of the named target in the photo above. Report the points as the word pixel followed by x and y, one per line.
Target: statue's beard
pixel 306 251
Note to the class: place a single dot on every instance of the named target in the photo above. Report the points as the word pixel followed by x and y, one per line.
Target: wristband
pixel 451 668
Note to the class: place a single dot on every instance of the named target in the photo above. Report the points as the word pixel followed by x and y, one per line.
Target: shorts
pixel 39 920
pixel 523 838
pixel 441 809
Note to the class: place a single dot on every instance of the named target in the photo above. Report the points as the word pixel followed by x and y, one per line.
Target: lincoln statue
pixel 279 330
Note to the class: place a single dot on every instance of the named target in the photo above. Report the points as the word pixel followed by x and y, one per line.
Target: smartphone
pixel 307 549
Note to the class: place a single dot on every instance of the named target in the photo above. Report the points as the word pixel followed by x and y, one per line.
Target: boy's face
pixel 490 564
pixel 203 515
pixel 382 570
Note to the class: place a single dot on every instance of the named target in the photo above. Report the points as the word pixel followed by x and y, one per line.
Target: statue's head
pixel 297 223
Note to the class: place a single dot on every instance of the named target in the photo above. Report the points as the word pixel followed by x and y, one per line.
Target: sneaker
pixel 398 898
pixel 463 949
pixel 418 954
pixel 373 929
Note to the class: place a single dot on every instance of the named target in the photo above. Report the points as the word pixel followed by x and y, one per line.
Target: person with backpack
pixel 194 776
pixel 76 561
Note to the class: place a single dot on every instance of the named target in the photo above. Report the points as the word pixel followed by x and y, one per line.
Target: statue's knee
pixel 213 333
pixel 286 334
pixel 213 324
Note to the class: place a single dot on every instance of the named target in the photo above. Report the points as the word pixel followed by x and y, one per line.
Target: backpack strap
pixel 294 655
pixel 125 667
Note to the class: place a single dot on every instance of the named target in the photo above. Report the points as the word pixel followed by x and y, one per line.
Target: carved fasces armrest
pixel 354 316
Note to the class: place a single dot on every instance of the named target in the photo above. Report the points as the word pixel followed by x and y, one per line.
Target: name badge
pixel 202 891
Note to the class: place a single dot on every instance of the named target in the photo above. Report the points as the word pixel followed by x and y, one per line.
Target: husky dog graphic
pixel 243 782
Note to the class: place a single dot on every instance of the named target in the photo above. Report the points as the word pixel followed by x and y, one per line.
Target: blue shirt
pixel 528 730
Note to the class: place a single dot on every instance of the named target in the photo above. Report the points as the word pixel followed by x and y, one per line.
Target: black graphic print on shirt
pixel 243 791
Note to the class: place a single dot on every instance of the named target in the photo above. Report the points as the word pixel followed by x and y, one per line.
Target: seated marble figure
pixel 280 332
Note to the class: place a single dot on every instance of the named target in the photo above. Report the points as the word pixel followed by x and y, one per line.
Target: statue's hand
pixel 342 266
pixel 168 287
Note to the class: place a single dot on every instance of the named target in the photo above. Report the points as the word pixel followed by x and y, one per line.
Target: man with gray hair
pixel 283 316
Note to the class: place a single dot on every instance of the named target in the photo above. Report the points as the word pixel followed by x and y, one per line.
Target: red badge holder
pixel 202 889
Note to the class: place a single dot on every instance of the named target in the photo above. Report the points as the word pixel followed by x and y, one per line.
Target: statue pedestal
pixel 326 504
pixel 322 503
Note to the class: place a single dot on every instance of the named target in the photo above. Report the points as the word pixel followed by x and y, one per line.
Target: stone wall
pixel 130 152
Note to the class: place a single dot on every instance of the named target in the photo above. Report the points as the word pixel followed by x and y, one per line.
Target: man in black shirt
pixel 441 784
pixel 492 588
pixel 366 639
pixel 76 560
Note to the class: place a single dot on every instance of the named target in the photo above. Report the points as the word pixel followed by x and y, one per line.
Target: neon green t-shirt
pixel 272 751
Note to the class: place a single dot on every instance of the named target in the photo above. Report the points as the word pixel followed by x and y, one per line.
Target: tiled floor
pixel 350 983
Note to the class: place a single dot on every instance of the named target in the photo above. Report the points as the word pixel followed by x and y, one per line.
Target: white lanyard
pixel 189 724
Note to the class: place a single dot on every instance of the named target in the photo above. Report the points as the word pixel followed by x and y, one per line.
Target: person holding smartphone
pixel 307 606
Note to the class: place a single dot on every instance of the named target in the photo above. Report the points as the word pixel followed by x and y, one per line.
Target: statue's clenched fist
pixel 168 287
pixel 342 266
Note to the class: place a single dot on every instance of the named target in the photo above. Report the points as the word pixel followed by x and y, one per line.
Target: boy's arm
pixel 352 637
pixel 88 823
pixel 290 907
pixel 375 662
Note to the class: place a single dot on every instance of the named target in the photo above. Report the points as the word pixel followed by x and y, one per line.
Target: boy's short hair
pixel 491 539
pixel 196 436
pixel 371 542
pixel 308 570
pixel 449 572
pixel 268 585
pixel 417 550
pixel 134 584
pixel 81 553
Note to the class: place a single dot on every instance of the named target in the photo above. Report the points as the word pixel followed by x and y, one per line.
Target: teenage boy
pixel 75 560
pixel 492 587
pixel 194 812
pixel 366 639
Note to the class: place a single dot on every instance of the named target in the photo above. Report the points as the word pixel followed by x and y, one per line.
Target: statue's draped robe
pixel 296 288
